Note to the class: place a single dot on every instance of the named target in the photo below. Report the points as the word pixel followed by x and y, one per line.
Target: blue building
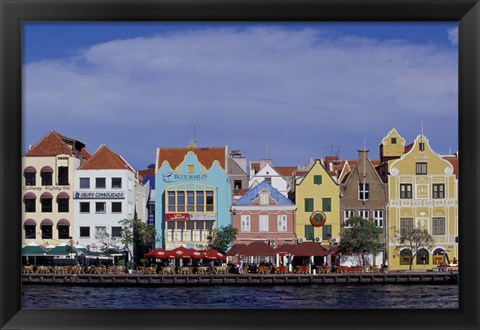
pixel 148 180
pixel 193 195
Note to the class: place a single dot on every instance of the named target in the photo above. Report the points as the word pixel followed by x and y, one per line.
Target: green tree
pixel 414 239
pixel 137 237
pixel 360 238
pixel 222 238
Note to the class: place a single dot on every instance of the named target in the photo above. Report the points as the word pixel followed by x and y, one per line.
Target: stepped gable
pixel 206 156
pixel 53 144
pixel 106 159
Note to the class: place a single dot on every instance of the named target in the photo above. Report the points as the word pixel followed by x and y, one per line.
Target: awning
pixel 63 195
pixel 30 169
pixel 61 251
pixel 30 222
pixel 46 222
pixel 309 249
pixel 29 195
pixel 63 222
pixel 234 250
pixel 257 249
pixel 33 249
pixel 46 195
pixel 46 169
pixel 284 249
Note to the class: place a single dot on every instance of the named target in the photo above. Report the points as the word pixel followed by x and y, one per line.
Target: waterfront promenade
pixel 236 279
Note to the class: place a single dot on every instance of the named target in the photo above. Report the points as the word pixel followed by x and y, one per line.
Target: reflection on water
pixel 222 296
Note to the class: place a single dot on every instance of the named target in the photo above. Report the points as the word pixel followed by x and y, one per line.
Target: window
pixel 422 146
pixel 30 202
pixel 438 190
pixel 84 231
pixel 30 178
pixel 364 213
pixel 237 184
pixel 263 222
pixel 326 232
pixel 63 175
pixel 326 204
pixel 191 168
pixel 264 199
pixel 30 231
pixel 406 225
pixel 116 183
pixel 405 256
pixel 405 190
pixel 309 231
pixel 47 232
pixel 438 226
pixel 268 180
pixel 209 201
pixel 100 231
pixel 100 183
pixel 63 204
pixel 423 257
pixel 190 201
pixel 84 207
pixel 363 191
pixel 116 207
pixel 281 222
pixel 116 231
pixel 308 204
pixel 84 183
pixel 347 215
pixel 46 178
pixel 317 179
pixel 63 231
pixel 46 204
pixel 378 218
pixel 100 207
pixel 245 223
pixel 421 168
pixel 393 140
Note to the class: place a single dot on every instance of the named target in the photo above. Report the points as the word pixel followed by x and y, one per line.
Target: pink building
pixel 264 214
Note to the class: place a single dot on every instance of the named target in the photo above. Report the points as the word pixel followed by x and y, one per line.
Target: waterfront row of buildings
pixel 72 196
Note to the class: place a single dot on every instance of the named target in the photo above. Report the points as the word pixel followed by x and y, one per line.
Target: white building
pixel 105 193
pixel 264 171
pixel 48 176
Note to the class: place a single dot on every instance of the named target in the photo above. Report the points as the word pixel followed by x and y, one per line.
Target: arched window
pixel 30 202
pixel 63 227
pixel 46 201
pixel 46 227
pixel 405 256
pixel 30 174
pixel 438 256
pixel 30 227
pixel 46 173
pixel 423 257
pixel 63 200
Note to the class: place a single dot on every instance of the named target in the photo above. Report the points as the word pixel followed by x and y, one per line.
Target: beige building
pixel 48 177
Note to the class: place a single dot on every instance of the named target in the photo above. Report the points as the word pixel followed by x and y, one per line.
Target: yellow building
pixel 318 206
pixel 422 192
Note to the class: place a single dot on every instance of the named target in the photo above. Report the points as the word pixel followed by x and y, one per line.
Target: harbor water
pixel 390 296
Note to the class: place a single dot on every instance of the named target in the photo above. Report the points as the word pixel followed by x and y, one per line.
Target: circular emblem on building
pixel 318 218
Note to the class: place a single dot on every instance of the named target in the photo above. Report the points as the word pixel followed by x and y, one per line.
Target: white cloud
pixel 273 84
pixel 453 35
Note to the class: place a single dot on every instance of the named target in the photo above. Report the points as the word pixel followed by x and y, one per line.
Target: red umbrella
pixel 214 254
pixel 159 254
pixel 186 253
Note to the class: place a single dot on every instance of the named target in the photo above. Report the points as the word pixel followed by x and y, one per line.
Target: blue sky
pixel 288 91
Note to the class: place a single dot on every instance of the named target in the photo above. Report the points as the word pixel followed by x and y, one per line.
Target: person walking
pixel 240 266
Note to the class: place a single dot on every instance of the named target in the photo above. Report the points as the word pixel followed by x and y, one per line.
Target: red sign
pixel 177 216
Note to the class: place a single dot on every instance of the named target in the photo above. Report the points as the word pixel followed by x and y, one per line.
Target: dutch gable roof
pixel 206 156
pixel 106 159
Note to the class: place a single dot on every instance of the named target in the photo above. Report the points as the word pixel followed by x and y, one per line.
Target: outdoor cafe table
pixel 281 270
pixel 186 270
pixel 202 270
pixel 302 270
pixel 263 270
pixel 221 270
pixel 168 270
pixel 28 269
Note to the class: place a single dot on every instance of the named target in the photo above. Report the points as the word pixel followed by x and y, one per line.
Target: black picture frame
pixel 14 12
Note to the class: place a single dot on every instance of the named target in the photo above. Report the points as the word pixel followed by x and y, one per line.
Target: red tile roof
pixel 454 161
pixel 285 170
pixel 407 148
pixel 106 159
pixel 54 144
pixel 206 156
pixel 255 166
pixel 307 249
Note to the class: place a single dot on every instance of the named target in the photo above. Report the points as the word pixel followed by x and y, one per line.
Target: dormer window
pixel 393 140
